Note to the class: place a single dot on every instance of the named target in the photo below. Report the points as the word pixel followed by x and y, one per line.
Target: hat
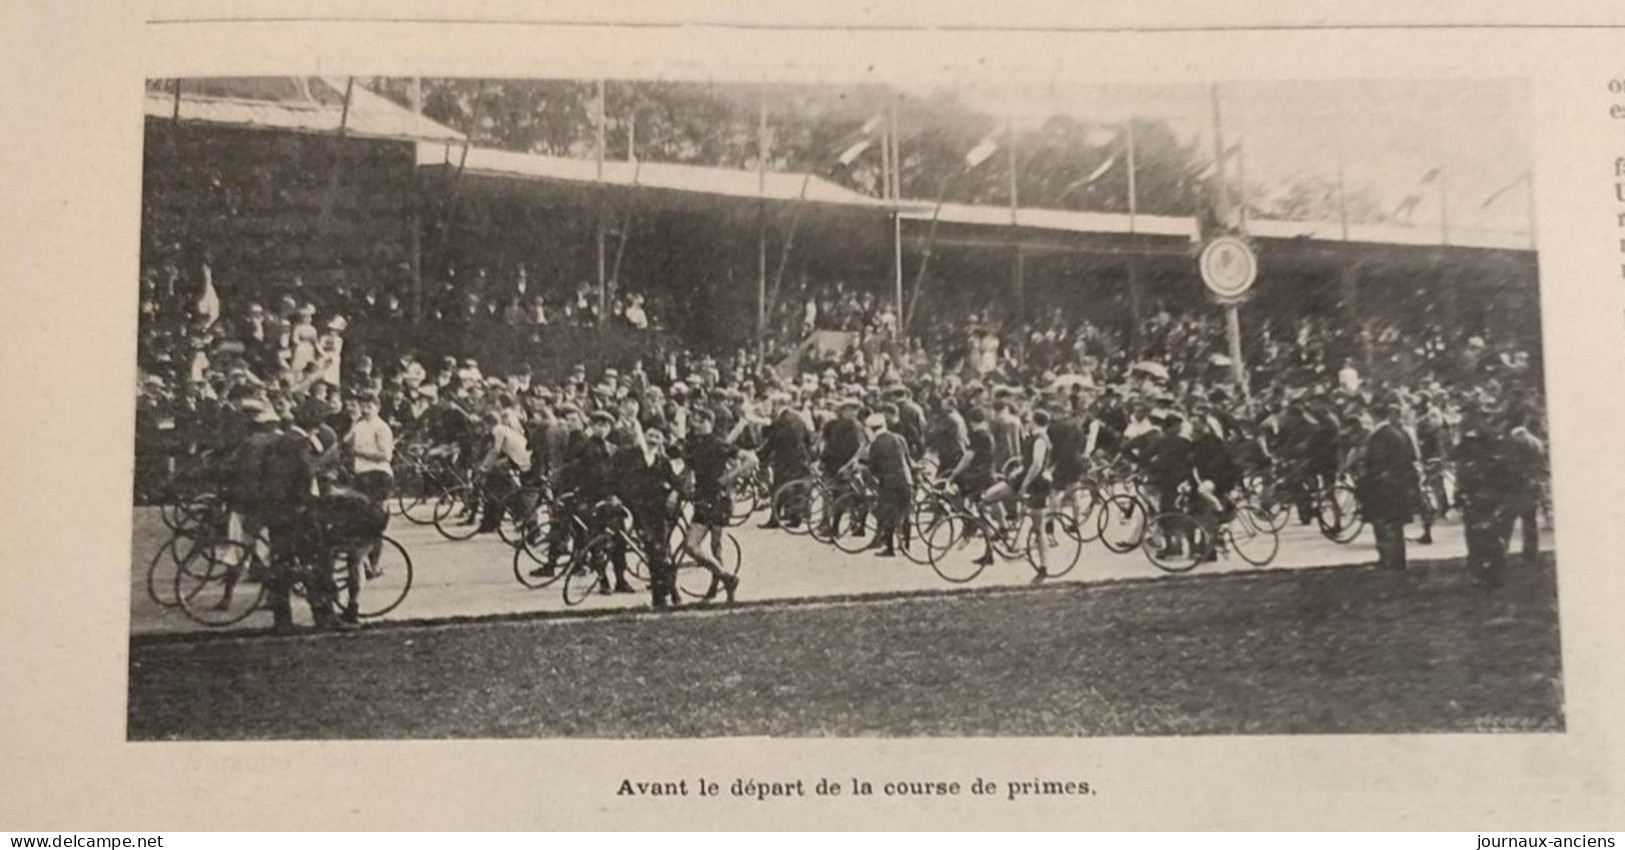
pixel 307 310
pixel 875 420
pixel 428 390
pixel 567 410
pixel 337 323
pixel 848 404
pixel 679 388
pixel 599 417
pixel 266 416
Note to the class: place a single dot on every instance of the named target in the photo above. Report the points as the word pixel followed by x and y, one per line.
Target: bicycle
pixel 845 520
pixel 588 568
pixel 798 505
pixel 955 535
pixel 222 582
pixel 693 578
pixel 1201 529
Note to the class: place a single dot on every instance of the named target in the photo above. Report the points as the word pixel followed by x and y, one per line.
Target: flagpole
pixel 1232 318
pixel 761 223
pixel 893 185
pixel 603 271
pixel 637 169
pixel 930 243
pixel 1133 194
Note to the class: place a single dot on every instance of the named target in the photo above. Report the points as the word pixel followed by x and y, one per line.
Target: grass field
pixel 1340 650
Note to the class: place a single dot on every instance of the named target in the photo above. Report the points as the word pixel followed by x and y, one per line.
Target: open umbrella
pixel 1151 368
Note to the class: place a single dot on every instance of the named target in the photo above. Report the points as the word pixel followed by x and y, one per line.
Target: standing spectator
pixel 1387 485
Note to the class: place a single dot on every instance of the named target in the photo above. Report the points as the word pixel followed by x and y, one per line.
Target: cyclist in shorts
pixel 714 463
pixel 1030 484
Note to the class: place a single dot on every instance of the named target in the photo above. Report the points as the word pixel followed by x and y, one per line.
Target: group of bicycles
pixel 213 571
pixel 1113 504
pixel 557 538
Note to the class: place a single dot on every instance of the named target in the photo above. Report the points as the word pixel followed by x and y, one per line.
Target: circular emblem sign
pixel 1229 267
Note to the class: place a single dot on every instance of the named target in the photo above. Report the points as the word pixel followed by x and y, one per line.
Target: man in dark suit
pixel 1387 485
pixel 787 442
pixel 887 456
pixel 1168 462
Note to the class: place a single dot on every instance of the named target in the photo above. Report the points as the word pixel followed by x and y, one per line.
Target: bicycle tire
pixel 207 583
pixel 951 542
pixel 1122 522
pixel 452 505
pixel 407 485
pixel 525 505
pixel 1252 539
pixel 530 568
pixel 922 514
pixel 384 594
pixel 694 580
pixel 155 580
pixel 1084 524
pixel 1063 544
pixel 1345 523
pixel 1176 542
pixel 587 572
pixel 847 539
pixel 794 499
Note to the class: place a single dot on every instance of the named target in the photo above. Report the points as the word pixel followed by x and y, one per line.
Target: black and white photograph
pixel 978 406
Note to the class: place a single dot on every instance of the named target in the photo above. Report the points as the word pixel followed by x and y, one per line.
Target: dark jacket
pixel 1387 486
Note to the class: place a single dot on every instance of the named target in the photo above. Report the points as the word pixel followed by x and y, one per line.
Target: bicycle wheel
pixel 1081 508
pixel 958 547
pixel 849 536
pixel 408 489
pixel 922 514
pixel 790 505
pixel 384 582
pixel 1176 543
pixel 1252 538
pixel 1338 515
pixel 1062 544
pixel 694 580
pixel 537 560
pixel 165 563
pixel 586 573
pixel 456 513
pixel 521 512
pixel 215 583
pixel 741 500
pixel 1121 523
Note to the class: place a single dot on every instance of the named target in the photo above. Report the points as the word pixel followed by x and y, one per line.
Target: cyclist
pixel 713 463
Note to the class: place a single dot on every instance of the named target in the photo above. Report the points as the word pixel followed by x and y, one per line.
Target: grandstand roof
pixel 692 179
pixel 297 104
pixel 1103 224
pixel 1065 220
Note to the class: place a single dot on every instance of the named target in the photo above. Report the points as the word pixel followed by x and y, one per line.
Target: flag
pixel 1408 206
pixel 1104 167
pixel 984 149
pixel 1432 174
pixel 860 141
pixel 1099 171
